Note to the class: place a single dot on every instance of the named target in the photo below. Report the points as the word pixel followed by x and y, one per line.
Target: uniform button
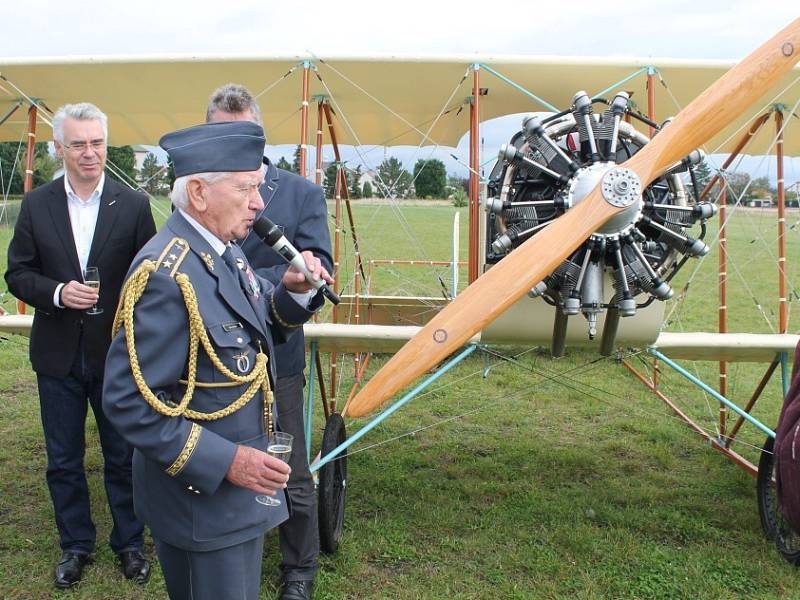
pixel 239 340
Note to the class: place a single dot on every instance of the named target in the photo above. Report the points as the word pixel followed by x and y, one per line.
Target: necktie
pixel 244 283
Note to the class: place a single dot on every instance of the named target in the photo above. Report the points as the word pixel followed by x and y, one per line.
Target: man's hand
pixel 295 281
pixel 76 295
pixel 257 471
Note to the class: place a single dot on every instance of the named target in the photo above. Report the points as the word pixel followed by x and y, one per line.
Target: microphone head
pixel 267 230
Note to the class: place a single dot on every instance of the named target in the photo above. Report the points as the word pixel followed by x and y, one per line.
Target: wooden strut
pixel 734 457
pixel 783 307
pixel 722 203
pixel 27 184
pixel 474 175
pixel 341 184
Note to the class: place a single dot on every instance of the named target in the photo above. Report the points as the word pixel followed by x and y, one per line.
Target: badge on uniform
pixel 252 283
pixel 242 362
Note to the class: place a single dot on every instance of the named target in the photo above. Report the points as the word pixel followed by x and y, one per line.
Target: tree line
pixel 427 180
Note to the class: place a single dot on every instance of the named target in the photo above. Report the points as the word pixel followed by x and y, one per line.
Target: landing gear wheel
pixel 332 486
pixel 772 522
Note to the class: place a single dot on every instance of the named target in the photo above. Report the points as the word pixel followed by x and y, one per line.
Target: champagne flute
pixel 279 446
pixel 91 277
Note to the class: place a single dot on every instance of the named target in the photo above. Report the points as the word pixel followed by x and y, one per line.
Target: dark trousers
pixel 299 536
pixel 233 572
pixel 64 402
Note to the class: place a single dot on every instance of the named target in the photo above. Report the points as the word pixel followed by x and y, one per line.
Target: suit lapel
pixel 227 282
pixel 271 183
pixel 106 217
pixel 62 224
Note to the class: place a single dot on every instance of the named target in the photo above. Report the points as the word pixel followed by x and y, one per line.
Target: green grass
pixel 557 479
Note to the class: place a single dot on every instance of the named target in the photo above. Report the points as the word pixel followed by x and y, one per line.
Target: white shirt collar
pixel 217 244
pixel 97 193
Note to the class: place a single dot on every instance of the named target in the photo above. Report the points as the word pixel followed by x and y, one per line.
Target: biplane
pixel 574 236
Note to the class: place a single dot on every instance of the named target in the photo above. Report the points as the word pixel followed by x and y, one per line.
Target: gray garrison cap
pixel 215 147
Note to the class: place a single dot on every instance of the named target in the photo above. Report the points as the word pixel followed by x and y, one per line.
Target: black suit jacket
pixel 298 206
pixel 42 254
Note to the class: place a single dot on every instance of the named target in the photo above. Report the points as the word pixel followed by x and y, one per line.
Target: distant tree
pixel 13 157
pixel 284 164
pixel 703 175
pixel 152 175
pixel 455 182
pixel 170 173
pixel 761 187
pixel 354 176
pixel 736 183
pixel 330 180
pixel 460 198
pixel 395 180
pixel 430 178
pixel 366 191
pixel 123 159
pixel 296 161
pixel 44 167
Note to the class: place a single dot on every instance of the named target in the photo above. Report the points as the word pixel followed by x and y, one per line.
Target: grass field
pixel 548 479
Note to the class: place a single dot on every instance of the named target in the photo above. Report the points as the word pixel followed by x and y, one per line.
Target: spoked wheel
pixel 332 486
pixel 772 522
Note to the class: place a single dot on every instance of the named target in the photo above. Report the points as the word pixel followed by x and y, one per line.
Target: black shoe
pixel 135 566
pixel 297 590
pixel 70 568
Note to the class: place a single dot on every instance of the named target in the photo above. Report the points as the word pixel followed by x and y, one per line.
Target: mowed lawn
pixel 546 479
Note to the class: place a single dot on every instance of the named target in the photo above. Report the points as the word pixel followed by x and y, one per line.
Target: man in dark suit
pixel 188 382
pixel 298 206
pixel 81 219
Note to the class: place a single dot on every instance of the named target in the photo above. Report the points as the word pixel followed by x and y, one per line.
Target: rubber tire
pixel 773 524
pixel 332 486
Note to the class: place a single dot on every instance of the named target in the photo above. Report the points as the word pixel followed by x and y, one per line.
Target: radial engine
pixel 549 166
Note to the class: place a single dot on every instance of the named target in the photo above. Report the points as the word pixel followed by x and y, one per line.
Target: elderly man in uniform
pixel 298 206
pixel 189 372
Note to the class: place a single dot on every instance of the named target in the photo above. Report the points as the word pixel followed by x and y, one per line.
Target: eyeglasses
pixel 81 147
pixel 248 189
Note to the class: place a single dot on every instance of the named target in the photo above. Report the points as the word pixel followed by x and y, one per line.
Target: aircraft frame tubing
pixel 388 412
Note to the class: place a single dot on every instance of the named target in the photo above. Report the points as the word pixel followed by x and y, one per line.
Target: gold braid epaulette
pixel 258 378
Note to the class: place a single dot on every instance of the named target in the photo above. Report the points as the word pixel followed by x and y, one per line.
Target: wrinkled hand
pixel 257 471
pixel 295 281
pixel 76 295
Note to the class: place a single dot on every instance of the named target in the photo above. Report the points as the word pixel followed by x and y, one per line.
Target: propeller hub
pixel 621 187
pixel 619 184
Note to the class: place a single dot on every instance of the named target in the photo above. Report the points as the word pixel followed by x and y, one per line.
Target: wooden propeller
pixel 511 278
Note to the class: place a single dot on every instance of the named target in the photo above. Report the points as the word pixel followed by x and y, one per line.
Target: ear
pixel 59 149
pixel 197 192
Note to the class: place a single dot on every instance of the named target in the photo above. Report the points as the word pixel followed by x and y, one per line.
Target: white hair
pixel 84 111
pixel 179 196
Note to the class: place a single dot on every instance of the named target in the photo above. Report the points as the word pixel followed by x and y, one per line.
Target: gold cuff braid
pixel 188 450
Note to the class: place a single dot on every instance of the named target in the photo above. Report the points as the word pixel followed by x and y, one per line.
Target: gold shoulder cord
pixel 258 378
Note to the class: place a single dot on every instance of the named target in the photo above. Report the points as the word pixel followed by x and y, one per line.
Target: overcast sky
pixel 708 29
pixel 723 29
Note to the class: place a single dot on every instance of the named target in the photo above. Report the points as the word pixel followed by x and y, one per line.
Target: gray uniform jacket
pixel 179 466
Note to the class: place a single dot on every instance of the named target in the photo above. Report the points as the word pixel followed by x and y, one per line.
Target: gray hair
pixel 81 112
pixel 179 195
pixel 233 98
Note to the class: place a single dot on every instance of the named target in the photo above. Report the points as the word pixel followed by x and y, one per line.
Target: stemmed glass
pixel 279 446
pixel 91 277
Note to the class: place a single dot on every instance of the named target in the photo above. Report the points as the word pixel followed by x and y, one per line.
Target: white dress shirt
pixel 83 219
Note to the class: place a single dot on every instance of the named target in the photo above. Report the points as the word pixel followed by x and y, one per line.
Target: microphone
pixel 272 235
